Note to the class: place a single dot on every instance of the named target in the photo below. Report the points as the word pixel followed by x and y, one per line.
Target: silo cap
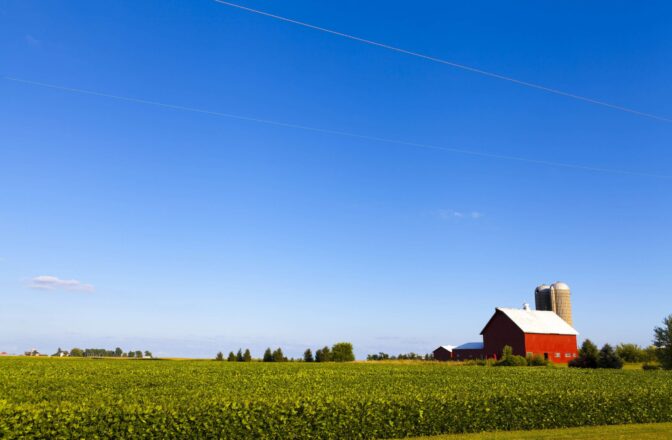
pixel 560 286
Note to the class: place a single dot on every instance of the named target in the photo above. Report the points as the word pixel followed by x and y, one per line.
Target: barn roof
pixel 536 321
pixel 470 346
pixel 447 347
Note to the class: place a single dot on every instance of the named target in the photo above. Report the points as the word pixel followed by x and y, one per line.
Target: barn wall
pixel 441 354
pixel 501 331
pixel 552 344
pixel 461 355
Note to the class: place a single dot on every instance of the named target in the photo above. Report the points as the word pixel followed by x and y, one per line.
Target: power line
pixel 452 64
pixel 335 132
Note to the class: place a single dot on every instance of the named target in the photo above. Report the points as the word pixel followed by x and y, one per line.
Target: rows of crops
pixel 86 398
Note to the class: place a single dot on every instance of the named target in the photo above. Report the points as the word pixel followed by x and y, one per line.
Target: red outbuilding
pixel 529 332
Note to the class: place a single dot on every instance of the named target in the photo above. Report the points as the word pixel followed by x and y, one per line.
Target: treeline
pixel 103 352
pixel 400 357
pixel 656 356
pixel 339 352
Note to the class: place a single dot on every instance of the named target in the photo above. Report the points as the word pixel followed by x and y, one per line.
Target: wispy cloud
pixel 449 214
pixel 48 282
pixel 32 41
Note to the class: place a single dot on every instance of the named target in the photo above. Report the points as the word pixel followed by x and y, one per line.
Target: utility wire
pixel 336 132
pixel 452 64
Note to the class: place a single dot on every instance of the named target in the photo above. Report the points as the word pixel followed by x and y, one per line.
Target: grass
pixel 651 431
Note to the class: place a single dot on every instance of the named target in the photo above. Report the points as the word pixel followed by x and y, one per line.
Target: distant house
pixel 530 332
pixel 470 350
pixel 4 353
pixel 32 352
pixel 444 353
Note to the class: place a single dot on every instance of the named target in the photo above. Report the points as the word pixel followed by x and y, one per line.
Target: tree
pixel 247 356
pixel 278 356
pixel 587 357
pixel 138 354
pixel 239 356
pixel 608 358
pixel 651 353
pixel 630 353
pixel 323 355
pixel 232 357
pixel 118 352
pixel 76 352
pixel 268 355
pixel 220 356
pixel 663 342
pixel 308 355
pixel 131 354
pixel 342 352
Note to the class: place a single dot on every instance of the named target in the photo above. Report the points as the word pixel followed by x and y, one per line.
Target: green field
pixel 88 398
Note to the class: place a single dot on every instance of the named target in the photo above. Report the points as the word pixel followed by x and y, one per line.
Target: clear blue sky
pixel 187 233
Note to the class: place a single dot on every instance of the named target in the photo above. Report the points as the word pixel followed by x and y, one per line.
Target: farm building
pixel 470 350
pixel 530 332
pixel 546 331
pixel 444 353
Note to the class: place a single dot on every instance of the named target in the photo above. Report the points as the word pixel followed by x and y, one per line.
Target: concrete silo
pixel 542 297
pixel 560 301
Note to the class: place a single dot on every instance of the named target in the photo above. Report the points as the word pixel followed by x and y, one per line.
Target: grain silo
pixel 560 301
pixel 542 297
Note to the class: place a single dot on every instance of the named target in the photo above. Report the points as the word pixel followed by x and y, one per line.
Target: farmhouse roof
pixel 470 346
pixel 536 321
pixel 446 347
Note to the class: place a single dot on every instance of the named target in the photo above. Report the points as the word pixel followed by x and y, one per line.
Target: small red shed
pixel 530 332
pixel 444 353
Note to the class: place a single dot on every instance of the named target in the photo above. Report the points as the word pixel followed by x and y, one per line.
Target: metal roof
pixel 538 321
pixel 470 346
pixel 446 347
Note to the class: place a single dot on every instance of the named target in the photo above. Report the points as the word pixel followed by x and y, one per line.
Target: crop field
pixel 95 398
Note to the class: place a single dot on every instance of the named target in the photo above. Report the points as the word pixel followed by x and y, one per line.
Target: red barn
pixel 530 332
pixel 444 353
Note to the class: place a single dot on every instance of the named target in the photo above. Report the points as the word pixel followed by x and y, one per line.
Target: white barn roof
pixel 447 347
pixel 538 321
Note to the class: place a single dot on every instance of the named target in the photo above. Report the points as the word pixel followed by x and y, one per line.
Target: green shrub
pixel 536 360
pixel 509 359
pixel 651 366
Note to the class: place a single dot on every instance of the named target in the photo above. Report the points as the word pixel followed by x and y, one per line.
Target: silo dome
pixel 560 286
pixel 542 287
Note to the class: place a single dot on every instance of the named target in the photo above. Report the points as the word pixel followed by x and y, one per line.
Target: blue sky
pixel 187 233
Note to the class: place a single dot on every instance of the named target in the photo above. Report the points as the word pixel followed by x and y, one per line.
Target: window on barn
pixel 568 355
pixel 557 355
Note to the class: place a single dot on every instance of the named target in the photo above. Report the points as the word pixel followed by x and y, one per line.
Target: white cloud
pixel 448 214
pixel 48 282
